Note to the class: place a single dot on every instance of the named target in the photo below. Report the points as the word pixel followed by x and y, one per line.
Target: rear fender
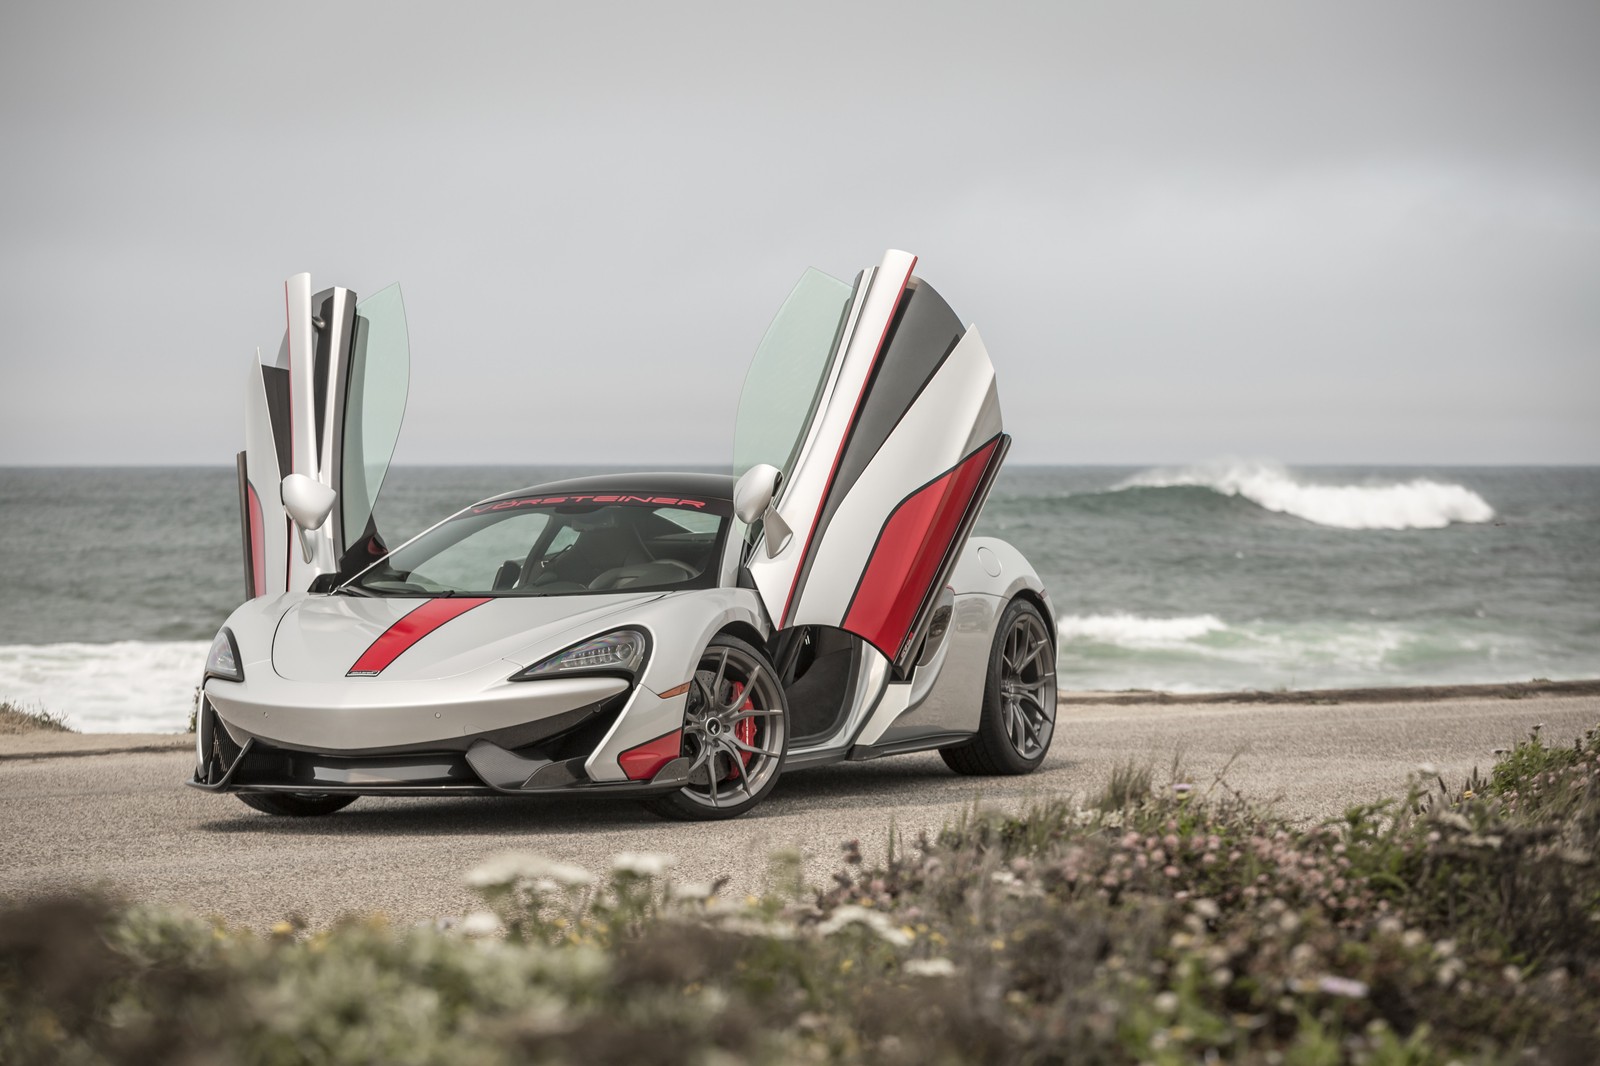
pixel 946 692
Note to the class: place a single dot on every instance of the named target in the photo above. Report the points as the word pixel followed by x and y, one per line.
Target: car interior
pixel 609 548
pixel 817 667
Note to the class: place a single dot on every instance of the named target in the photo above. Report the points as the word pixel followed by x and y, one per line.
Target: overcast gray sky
pixel 1355 232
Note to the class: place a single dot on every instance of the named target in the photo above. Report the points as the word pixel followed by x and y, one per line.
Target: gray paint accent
pixel 242 468
pixel 337 309
pixel 275 386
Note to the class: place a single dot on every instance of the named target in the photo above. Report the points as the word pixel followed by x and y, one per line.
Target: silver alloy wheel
pixel 734 714
pixel 1028 686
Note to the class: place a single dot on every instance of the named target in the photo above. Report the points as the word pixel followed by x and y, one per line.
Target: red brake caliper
pixel 745 731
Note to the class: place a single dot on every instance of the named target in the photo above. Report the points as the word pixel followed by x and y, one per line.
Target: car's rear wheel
pixel 1019 699
pixel 296 804
pixel 735 733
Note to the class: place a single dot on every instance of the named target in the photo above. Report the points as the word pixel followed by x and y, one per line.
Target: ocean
pixel 1226 577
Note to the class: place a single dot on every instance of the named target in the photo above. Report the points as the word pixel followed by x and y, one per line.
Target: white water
pixel 1415 504
pixel 1202 653
pixel 130 686
pixel 1131 631
pixel 147 686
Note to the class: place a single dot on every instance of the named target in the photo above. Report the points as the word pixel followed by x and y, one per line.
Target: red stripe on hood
pixel 410 629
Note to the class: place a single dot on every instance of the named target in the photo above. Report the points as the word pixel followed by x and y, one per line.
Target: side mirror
pixel 752 502
pixel 754 491
pixel 309 502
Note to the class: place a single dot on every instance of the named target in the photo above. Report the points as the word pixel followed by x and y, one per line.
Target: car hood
pixel 321 638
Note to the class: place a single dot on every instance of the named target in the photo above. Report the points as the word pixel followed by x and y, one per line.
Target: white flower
pixel 524 867
pixel 643 863
pixel 1207 909
pixel 1167 1002
pixel 1342 986
pixel 931 968
pixel 754 927
pixel 873 921
pixel 479 923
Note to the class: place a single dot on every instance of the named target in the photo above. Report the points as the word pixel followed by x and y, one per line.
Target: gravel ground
pixel 80 810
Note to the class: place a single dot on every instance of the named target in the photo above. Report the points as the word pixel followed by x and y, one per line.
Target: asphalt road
pixel 120 818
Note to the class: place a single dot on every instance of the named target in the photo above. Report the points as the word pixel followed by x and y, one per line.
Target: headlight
pixel 223 659
pixel 622 652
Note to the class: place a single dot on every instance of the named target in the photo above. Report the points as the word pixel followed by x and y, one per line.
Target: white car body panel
pixel 919 450
pixel 321 637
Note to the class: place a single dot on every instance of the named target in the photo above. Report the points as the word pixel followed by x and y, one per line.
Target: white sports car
pixel 682 638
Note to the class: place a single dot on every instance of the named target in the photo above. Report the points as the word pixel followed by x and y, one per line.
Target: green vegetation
pixel 1166 924
pixel 14 720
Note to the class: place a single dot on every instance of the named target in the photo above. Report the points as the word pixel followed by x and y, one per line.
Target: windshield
pixel 546 545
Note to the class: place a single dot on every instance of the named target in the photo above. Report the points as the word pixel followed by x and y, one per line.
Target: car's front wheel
pixel 735 734
pixel 1019 699
pixel 296 804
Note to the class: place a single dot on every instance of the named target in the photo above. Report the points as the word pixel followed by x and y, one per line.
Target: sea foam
pixel 1132 631
pixel 129 686
pixel 1415 504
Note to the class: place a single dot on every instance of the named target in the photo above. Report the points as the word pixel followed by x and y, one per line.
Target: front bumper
pixel 520 756
pixel 363 716
pixel 484 769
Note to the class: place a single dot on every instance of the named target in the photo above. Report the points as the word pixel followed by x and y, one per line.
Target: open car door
pixel 327 409
pixel 879 410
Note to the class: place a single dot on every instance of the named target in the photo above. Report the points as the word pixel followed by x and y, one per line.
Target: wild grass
pixel 15 720
pixel 1163 924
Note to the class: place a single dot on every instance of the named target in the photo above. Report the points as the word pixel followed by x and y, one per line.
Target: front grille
pixel 266 765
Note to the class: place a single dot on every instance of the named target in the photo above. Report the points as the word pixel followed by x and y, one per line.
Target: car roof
pixel 654 483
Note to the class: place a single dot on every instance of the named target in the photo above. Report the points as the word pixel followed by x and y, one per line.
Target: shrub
pixel 1161 924
pixel 15 719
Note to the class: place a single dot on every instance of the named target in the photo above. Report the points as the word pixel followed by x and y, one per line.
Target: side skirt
pixel 931 742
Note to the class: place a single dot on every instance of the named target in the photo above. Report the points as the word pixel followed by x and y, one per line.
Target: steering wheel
pixel 534 569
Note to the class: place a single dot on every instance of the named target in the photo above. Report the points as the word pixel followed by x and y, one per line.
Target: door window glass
pixel 785 379
pixel 375 404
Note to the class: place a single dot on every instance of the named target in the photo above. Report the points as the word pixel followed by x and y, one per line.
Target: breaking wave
pixel 129 686
pixel 1415 504
pixel 1132 631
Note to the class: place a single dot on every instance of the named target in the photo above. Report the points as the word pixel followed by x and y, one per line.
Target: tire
pixel 736 731
pixel 1019 699
pixel 296 804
